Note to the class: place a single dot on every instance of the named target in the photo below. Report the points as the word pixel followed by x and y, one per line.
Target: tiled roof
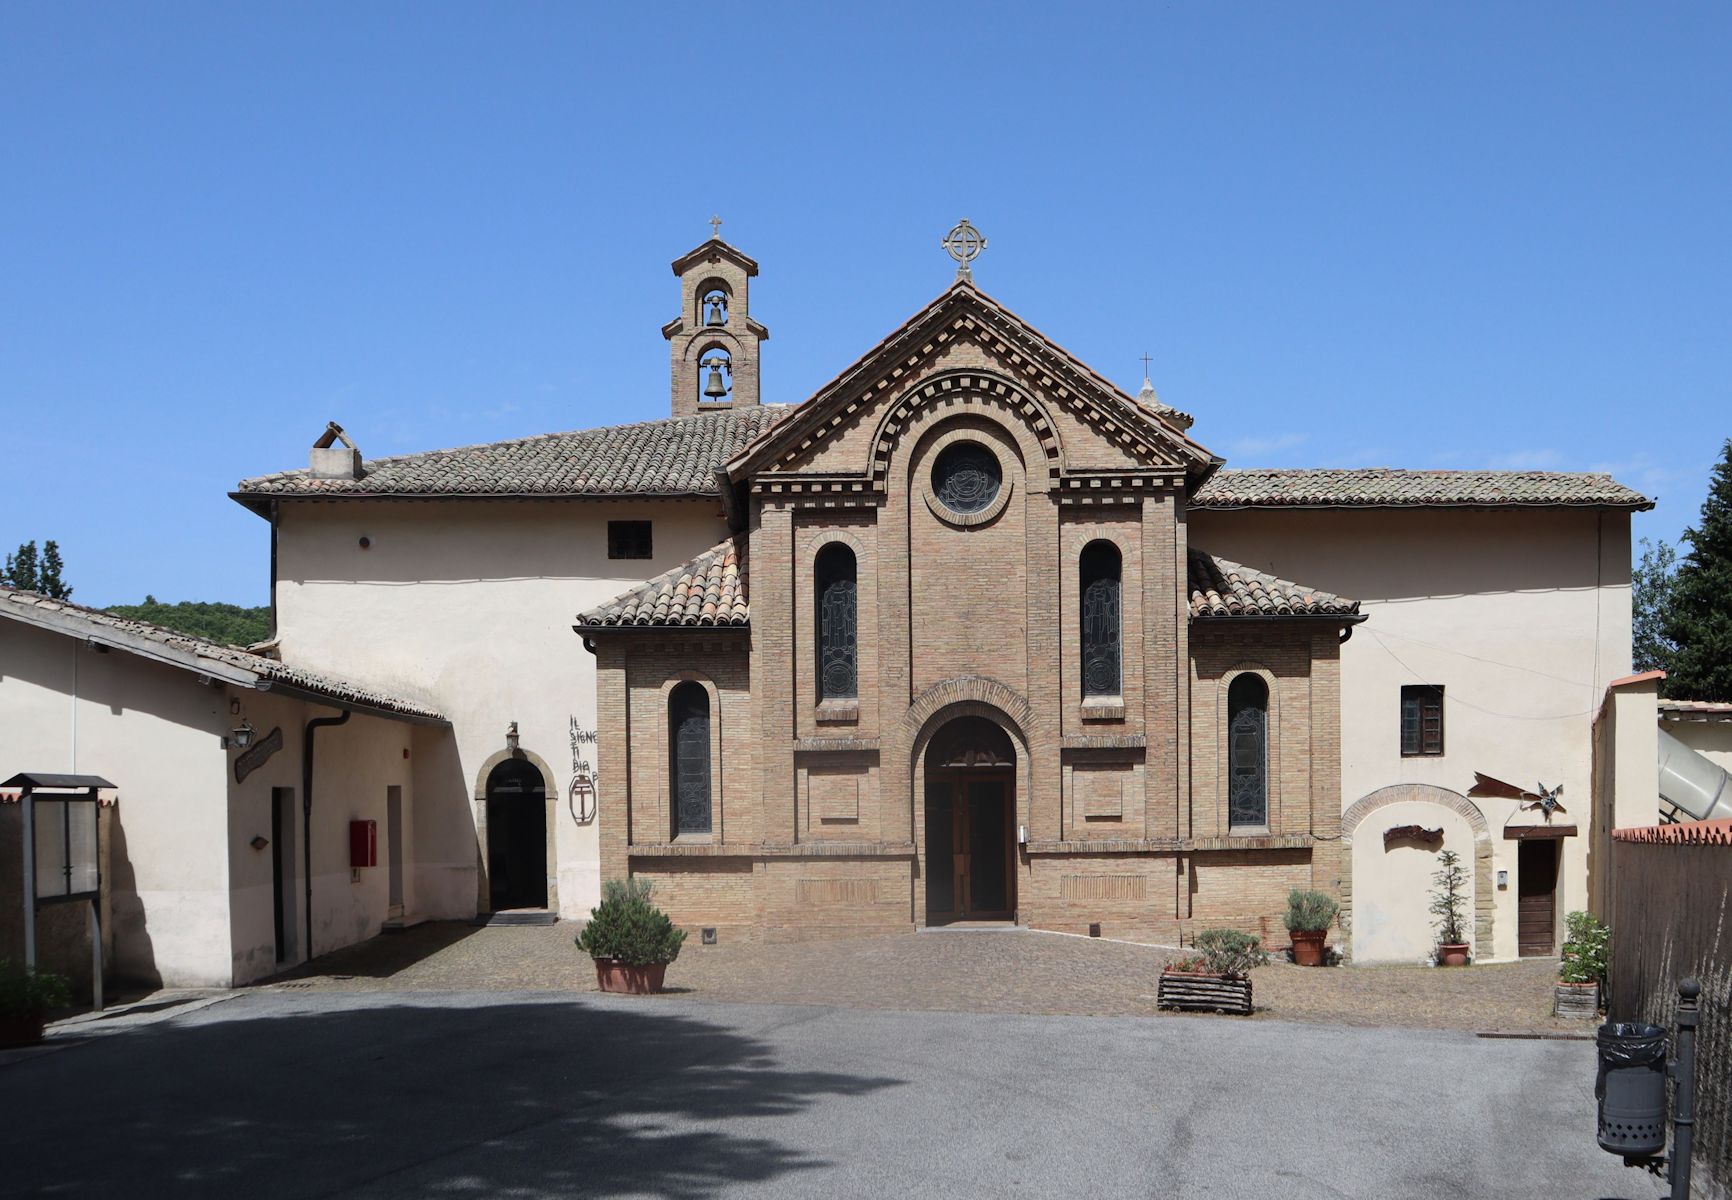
pixel 673 457
pixel 1689 833
pixel 1379 487
pixel 1220 588
pixel 708 591
pixel 1699 710
pixel 198 654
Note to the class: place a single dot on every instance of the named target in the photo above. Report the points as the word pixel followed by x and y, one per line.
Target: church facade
pixel 970 634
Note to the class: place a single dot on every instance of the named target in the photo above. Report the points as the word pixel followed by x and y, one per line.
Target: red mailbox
pixel 363 843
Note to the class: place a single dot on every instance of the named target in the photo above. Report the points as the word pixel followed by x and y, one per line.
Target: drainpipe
pixel 312 727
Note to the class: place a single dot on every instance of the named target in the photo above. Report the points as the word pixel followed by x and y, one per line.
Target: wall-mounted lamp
pixel 1503 879
pixel 511 737
pixel 242 735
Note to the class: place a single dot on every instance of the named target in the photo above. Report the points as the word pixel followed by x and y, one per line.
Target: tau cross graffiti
pixel 964 243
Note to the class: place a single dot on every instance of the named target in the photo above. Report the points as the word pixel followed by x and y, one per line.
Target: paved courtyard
pixel 321 1092
pixel 963 971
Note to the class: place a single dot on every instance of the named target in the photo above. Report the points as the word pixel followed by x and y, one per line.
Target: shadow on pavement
pixel 520 1099
pixel 381 956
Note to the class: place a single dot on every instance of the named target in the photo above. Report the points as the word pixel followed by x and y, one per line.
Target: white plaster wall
pixel 1711 739
pixel 1392 886
pixel 469 604
pixel 354 764
pixel 154 731
pixel 1523 616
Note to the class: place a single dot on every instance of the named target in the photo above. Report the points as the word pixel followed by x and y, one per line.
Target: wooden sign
pixel 1431 838
pixel 256 755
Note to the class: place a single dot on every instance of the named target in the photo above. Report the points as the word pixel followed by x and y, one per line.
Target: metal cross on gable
pixel 716 228
pixel 1147 359
pixel 964 243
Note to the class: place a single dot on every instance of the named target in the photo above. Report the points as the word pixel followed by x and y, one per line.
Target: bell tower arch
pixel 714 341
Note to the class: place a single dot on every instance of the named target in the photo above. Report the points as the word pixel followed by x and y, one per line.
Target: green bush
pixel 26 993
pixel 1449 898
pixel 1231 953
pixel 1309 912
pixel 1586 950
pixel 625 926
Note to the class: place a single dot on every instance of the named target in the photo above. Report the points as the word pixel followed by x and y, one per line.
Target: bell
pixel 716 316
pixel 715 389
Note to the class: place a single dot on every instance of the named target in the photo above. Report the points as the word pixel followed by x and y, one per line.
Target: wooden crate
pixel 1190 992
pixel 1576 1000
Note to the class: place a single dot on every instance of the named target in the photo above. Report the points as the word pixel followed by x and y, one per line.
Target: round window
pixel 966 477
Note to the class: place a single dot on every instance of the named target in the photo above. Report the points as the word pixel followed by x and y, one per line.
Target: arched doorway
pixel 516 836
pixel 970 823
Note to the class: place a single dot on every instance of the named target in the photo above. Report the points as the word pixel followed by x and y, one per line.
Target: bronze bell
pixel 715 389
pixel 717 316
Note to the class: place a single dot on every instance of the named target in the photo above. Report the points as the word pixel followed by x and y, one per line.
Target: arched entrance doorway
pixel 970 823
pixel 516 836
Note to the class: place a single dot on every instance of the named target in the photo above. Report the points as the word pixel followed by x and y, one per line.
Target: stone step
pixel 535 916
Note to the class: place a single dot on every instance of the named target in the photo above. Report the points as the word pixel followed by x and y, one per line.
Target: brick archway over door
pixel 1484 898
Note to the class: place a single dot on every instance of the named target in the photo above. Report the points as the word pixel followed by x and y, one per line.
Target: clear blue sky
pixel 1486 235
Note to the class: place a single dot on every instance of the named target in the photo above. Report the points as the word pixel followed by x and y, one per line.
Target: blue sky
pixel 1484 235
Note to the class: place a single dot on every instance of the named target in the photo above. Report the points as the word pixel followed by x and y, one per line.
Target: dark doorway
pixel 970 824
pixel 1537 897
pixel 516 836
pixel 283 870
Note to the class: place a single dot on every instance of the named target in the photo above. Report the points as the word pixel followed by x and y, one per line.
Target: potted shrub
pixel 1582 969
pixel 26 998
pixel 1448 900
pixel 631 940
pixel 1215 979
pixel 1309 916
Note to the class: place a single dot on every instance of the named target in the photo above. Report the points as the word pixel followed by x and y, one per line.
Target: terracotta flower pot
pixel 611 975
pixel 21 1031
pixel 1308 946
pixel 1452 954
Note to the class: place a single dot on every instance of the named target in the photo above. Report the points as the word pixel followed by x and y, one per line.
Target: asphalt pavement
pixel 286 1094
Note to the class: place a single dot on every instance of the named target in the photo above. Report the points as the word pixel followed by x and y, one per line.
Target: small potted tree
pixel 1309 916
pixel 631 940
pixel 1582 969
pixel 26 999
pixel 1215 979
pixel 1448 900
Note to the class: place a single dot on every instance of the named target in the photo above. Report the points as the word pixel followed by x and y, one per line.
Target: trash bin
pixel 1631 1088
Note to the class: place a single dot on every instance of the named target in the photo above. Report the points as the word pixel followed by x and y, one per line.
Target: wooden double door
pixel 970 846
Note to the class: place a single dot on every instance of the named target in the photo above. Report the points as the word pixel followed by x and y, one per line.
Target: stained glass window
pixel 838 657
pixel 1247 752
pixel 966 477
pixel 1100 619
pixel 689 757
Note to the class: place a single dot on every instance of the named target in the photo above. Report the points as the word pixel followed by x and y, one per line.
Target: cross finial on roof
pixel 716 228
pixel 1147 359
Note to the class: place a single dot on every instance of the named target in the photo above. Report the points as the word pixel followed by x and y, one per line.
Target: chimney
pixel 330 461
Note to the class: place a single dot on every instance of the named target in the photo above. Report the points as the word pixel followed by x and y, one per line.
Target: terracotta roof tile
pixel 1380 487
pixel 188 651
pixel 709 591
pixel 1702 710
pixel 673 457
pixel 1689 833
pixel 1220 588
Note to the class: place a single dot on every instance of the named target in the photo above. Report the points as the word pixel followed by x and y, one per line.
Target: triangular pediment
pixel 965 318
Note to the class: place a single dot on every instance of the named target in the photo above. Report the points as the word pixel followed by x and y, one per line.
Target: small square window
pixel 1422 720
pixel 629 539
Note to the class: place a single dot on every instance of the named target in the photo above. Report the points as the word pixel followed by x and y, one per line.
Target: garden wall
pixel 1671 917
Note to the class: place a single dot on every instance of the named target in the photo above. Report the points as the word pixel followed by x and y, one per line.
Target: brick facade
pixel 1117 805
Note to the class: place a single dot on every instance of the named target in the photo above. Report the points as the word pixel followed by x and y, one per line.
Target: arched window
pixel 1100 620
pixel 1248 752
pixel 689 757
pixel 838 654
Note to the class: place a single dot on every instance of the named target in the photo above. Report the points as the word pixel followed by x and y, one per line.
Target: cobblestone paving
pixel 965 971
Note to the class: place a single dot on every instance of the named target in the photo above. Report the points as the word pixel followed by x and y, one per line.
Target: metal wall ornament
pixel 1247 752
pixel 838 621
pixel 1101 656
pixel 690 751
pixel 966 477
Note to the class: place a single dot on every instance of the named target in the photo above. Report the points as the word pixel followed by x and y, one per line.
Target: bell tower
pixel 714 341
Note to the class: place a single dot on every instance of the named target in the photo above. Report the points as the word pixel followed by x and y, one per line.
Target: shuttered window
pixel 1421 720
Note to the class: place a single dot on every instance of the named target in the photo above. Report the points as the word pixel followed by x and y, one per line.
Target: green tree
pixel 1698 614
pixel 1651 588
pixel 32 572
pixel 229 624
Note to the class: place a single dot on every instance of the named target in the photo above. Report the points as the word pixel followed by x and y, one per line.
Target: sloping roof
pixel 1386 487
pixel 677 456
pixel 201 656
pixel 1689 833
pixel 1696 710
pixel 707 592
pixel 1220 588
